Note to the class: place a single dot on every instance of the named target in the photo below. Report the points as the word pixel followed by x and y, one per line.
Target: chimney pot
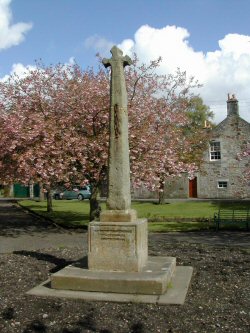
pixel 232 106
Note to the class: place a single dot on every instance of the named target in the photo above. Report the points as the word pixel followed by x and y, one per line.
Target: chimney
pixel 232 106
pixel 207 124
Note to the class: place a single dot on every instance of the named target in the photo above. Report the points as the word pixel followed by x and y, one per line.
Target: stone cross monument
pixel 118 231
pixel 119 191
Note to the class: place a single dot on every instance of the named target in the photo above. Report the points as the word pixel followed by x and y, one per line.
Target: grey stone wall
pixel 177 188
pixel 143 193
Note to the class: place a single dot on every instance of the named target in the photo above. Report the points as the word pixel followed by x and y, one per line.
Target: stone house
pixel 222 172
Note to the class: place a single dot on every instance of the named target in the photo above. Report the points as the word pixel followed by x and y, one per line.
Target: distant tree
pixel 54 127
pixel 199 114
pixel 197 129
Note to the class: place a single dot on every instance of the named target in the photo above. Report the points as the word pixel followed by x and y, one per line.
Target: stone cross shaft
pixel 119 170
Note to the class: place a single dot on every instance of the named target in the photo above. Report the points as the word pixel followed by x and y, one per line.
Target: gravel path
pixel 31 249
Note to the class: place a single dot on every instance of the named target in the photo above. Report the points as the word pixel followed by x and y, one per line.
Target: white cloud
pixel 71 61
pixel 21 70
pixel 235 45
pixel 100 44
pixel 18 69
pixel 10 34
pixel 170 42
pixel 226 70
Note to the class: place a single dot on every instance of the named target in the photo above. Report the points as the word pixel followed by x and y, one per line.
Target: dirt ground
pixel 218 299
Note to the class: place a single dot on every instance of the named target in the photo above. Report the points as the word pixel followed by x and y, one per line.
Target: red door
pixel 193 188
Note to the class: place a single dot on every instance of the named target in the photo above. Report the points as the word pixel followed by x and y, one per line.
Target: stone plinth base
pixel 119 246
pixel 152 280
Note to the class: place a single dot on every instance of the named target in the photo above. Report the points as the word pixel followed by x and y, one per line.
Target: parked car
pixel 77 192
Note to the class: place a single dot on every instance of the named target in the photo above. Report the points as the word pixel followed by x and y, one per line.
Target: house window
pixel 222 184
pixel 215 153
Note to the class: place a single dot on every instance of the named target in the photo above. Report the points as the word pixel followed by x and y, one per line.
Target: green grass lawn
pixel 71 213
pixel 178 209
pixel 174 216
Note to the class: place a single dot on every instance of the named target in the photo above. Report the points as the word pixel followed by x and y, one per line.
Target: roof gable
pixel 231 122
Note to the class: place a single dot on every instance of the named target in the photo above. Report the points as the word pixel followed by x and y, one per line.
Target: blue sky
pixel 208 38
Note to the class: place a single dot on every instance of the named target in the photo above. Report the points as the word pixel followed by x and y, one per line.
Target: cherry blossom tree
pixel 54 127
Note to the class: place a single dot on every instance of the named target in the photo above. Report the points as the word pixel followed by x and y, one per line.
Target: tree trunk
pixel 95 208
pixel 41 193
pixel 161 193
pixel 161 198
pixel 49 201
pixel 7 191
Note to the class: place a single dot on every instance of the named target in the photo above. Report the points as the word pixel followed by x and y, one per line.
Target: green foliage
pixel 200 117
pixel 198 113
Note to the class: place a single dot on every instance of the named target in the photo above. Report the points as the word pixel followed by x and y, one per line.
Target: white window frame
pixel 222 184
pixel 215 151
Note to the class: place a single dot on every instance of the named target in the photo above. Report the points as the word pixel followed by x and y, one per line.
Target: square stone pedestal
pixel 117 261
pixel 118 246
